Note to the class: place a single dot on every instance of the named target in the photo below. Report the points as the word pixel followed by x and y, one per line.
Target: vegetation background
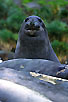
pixel 54 14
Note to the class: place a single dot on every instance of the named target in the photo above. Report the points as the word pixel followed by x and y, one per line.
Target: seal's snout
pixel 32 26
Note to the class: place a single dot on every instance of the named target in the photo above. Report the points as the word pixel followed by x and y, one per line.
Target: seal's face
pixel 32 25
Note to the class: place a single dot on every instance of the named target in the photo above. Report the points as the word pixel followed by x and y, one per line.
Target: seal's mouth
pixel 31 33
pixel 32 29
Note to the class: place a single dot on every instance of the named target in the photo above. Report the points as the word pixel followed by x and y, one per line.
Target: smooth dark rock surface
pixel 39 66
pixel 24 80
pixel 34 65
pixel 21 86
pixel 20 93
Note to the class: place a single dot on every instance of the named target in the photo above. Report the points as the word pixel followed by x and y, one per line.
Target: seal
pixel 33 41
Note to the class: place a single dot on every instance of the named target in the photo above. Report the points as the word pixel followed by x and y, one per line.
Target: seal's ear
pixel 26 19
pixel 39 19
pixel 42 23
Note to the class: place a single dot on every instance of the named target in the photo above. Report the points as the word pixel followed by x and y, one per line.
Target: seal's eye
pixel 26 19
pixel 39 20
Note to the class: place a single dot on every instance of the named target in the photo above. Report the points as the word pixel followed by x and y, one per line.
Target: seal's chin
pixel 31 33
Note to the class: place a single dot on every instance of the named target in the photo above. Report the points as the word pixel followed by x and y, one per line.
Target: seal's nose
pixel 32 26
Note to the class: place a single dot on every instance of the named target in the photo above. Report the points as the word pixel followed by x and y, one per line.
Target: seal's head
pixel 33 24
pixel 33 27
